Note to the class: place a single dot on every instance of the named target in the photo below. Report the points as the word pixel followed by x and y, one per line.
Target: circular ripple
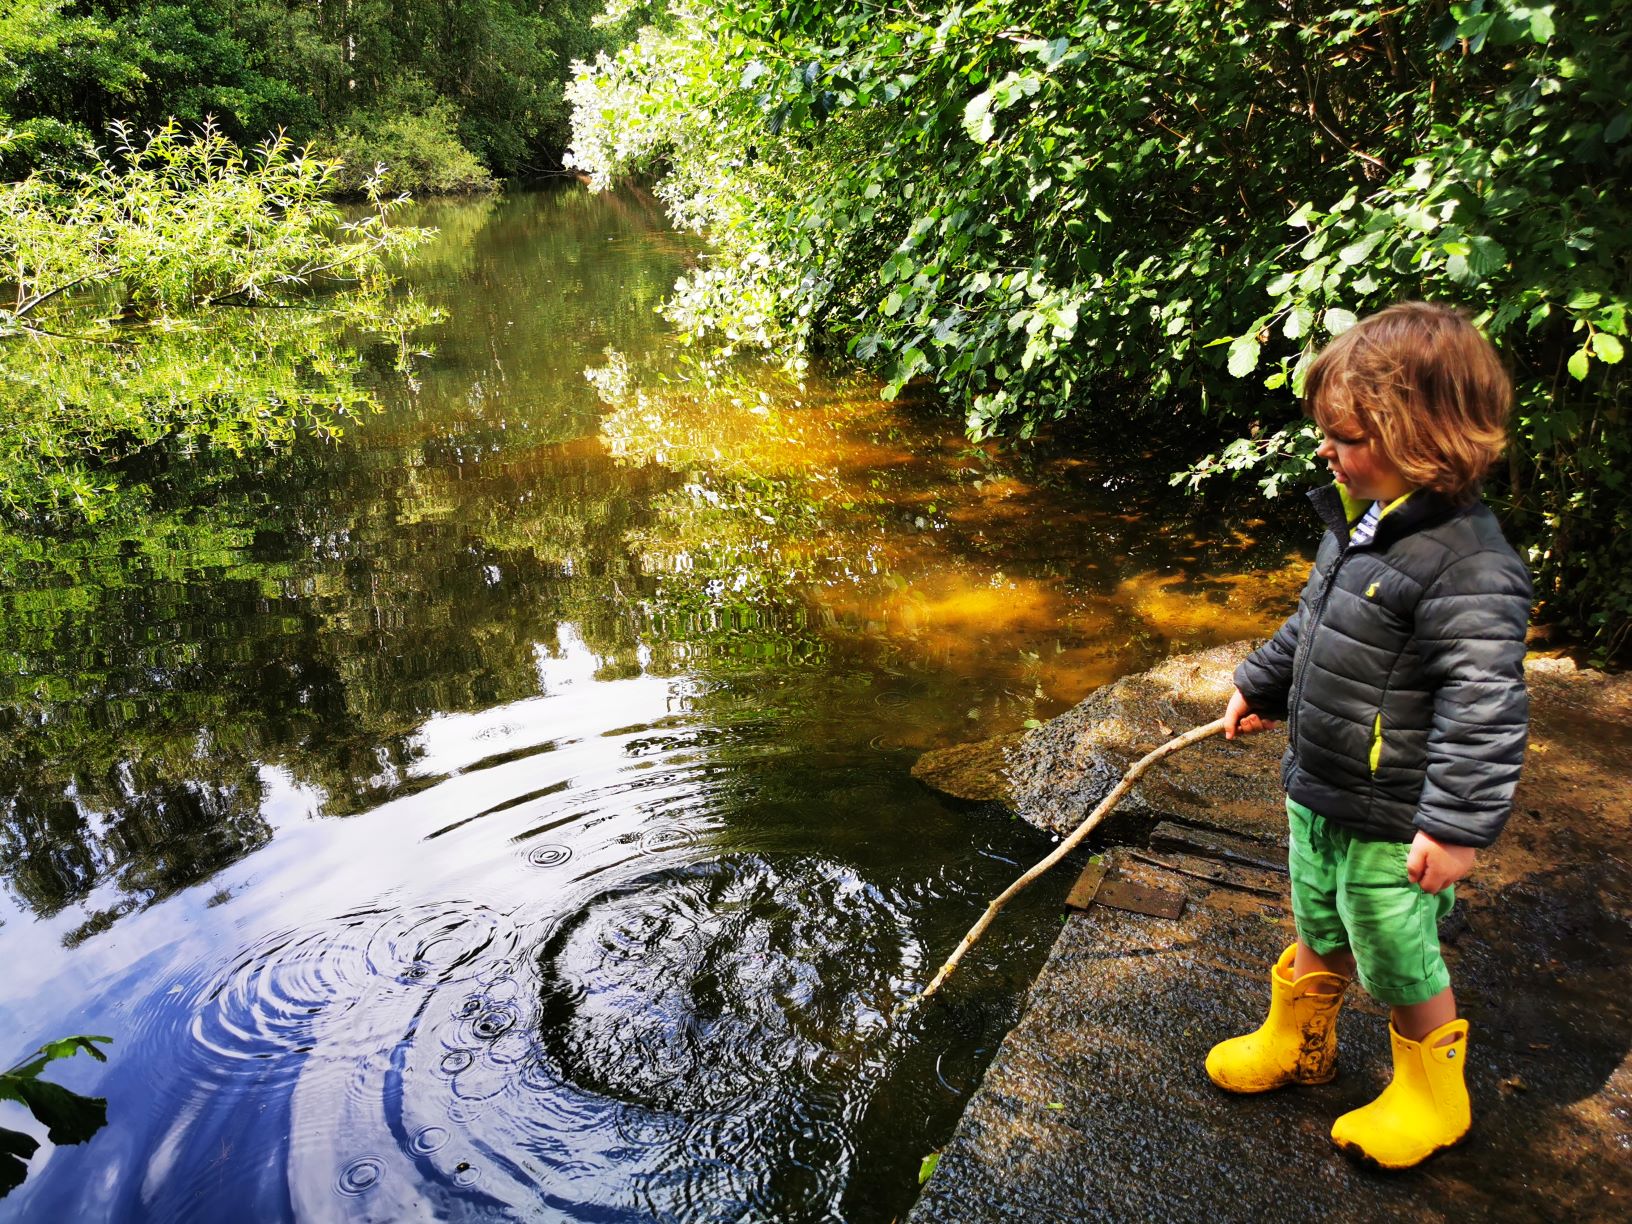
pixel 428 1139
pixel 274 1001
pixel 360 1176
pixel 434 945
pixel 455 1061
pixel 697 987
pixel 666 838
pixel 549 855
pixel 493 1023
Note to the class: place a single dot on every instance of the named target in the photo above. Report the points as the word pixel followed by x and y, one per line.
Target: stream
pixel 502 811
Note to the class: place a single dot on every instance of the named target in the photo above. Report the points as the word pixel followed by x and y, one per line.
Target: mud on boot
pixel 1296 1044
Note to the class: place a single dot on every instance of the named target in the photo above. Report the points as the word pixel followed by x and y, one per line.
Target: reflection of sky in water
pixel 380 1001
pixel 393 807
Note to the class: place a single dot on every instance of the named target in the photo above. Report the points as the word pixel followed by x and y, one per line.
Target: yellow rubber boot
pixel 1422 1111
pixel 1297 1044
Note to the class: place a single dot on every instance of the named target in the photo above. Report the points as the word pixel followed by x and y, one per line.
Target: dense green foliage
pixel 446 94
pixel 1151 214
pixel 174 295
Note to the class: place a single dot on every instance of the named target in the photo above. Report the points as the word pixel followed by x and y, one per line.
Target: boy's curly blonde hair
pixel 1421 382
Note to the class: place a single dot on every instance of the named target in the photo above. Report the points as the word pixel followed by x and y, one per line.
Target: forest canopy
pixel 446 94
pixel 1151 214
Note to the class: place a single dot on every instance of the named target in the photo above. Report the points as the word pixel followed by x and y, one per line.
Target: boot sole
pixel 1366 1160
pixel 1291 1083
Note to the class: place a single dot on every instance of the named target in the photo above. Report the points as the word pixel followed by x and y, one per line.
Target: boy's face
pixel 1357 464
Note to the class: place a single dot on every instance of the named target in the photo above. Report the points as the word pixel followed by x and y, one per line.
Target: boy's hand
pixel 1434 865
pixel 1238 716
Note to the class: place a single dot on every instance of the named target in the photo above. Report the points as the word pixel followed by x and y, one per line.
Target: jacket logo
pixel 1371 591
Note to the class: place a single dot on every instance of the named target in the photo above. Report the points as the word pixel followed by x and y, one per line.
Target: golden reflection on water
pixel 1036 571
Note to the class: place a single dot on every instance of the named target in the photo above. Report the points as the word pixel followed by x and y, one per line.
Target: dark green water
pixel 504 811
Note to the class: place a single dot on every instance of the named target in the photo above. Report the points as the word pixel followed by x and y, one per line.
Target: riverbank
pixel 1096 1105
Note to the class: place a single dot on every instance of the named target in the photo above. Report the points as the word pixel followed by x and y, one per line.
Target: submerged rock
pixel 1054 774
pixel 970 771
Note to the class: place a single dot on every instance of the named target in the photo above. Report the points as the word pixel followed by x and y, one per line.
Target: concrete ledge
pixel 1097 1107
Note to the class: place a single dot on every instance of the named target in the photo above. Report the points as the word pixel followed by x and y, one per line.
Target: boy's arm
pixel 1470 628
pixel 1265 675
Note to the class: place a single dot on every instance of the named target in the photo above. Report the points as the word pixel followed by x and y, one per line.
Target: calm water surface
pixel 504 812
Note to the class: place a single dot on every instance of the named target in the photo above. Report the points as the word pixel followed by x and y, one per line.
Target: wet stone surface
pixel 1059 771
pixel 1097 1105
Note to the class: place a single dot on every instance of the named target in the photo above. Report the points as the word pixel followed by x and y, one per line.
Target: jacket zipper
pixel 1306 645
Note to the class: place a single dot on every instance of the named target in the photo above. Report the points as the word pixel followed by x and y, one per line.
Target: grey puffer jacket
pixel 1401 674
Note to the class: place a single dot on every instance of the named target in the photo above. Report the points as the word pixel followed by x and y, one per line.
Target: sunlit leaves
pixel 182 292
pixel 1126 157
pixel 68 1116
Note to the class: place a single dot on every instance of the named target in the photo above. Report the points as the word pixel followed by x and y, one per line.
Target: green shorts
pixel 1351 892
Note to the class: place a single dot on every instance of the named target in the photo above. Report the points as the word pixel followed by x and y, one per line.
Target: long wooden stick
pixel 1135 771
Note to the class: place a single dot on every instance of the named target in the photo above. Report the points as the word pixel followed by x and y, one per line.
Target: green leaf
pixel 68 1116
pixel 1607 348
pixel 1298 321
pixel 1243 355
pixel 1486 256
pixel 1615 130
pixel 977 117
pixel 15 1150
pixel 927 1167
pixel 1360 250
pixel 1338 320
pixel 66 1047
pixel 1577 364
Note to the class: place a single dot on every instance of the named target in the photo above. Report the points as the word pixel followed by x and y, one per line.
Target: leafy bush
pixel 409 150
pixel 180 291
pixel 1162 209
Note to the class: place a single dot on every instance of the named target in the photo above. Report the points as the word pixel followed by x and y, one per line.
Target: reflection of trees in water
pixel 308 608
pixel 311 633
pixel 811 510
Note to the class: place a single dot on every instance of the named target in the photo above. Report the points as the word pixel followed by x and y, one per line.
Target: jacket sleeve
pixel 1265 675
pixel 1470 629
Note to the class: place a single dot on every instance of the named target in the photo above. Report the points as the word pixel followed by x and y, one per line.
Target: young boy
pixel 1401 677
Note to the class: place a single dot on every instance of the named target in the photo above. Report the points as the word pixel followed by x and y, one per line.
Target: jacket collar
pixel 1418 509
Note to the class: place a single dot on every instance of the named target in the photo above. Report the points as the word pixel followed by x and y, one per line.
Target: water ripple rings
pixel 360 1176
pixel 256 1018
pixel 428 1139
pixel 696 988
pixel 456 1061
pixel 666 838
pixel 549 855
pixel 494 1023
pixel 436 944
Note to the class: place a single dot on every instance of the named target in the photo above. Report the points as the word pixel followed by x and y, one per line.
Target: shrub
pixel 411 150
pixel 1162 209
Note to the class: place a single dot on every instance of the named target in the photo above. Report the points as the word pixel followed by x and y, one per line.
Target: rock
pixel 969 771
pixel 1059 771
